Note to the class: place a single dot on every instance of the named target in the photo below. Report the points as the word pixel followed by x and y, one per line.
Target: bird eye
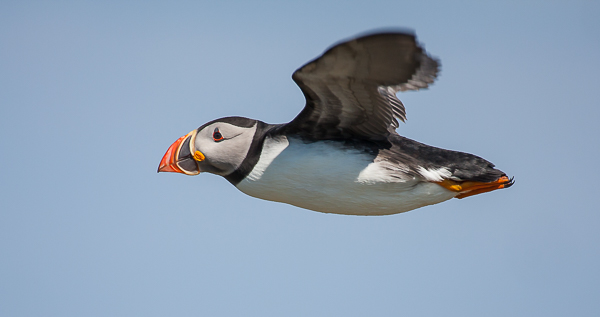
pixel 217 136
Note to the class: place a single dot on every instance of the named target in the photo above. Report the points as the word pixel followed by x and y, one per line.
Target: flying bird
pixel 342 153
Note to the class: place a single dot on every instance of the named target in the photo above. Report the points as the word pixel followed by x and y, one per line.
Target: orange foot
pixel 466 189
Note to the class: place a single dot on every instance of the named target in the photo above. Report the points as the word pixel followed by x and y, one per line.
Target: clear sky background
pixel 92 93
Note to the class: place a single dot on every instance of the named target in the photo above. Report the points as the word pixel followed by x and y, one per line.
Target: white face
pixel 224 146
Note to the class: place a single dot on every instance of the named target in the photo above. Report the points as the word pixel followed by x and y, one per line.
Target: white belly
pixel 325 177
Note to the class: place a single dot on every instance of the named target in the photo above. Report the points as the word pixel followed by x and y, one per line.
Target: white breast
pixel 328 177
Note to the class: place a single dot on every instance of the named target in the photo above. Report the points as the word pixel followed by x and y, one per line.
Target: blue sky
pixel 92 93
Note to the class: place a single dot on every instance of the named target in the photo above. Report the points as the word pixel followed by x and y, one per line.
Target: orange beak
pixel 169 160
pixel 179 157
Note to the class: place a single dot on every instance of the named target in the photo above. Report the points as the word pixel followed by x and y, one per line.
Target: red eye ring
pixel 217 136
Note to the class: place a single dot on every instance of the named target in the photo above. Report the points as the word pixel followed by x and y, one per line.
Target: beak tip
pixel 164 168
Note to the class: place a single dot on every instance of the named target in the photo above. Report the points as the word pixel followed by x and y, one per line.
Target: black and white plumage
pixel 341 154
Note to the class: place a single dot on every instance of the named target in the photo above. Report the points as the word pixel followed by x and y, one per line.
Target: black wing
pixel 350 90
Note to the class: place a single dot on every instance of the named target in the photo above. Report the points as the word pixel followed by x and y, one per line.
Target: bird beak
pixel 181 157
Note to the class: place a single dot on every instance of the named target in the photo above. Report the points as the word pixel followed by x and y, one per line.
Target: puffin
pixel 341 154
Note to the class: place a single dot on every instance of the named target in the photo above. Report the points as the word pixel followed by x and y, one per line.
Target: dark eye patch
pixel 217 136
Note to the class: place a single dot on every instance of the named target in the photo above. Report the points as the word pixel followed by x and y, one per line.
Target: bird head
pixel 217 147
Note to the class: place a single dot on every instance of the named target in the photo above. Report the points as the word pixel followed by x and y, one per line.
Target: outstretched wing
pixel 350 90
